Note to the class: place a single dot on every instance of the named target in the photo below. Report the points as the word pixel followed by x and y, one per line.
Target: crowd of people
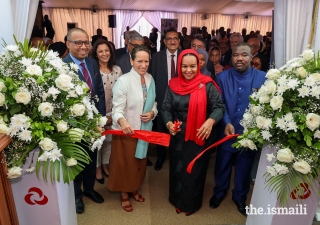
pixel 203 81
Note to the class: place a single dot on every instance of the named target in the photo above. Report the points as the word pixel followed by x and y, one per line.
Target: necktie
pixel 86 76
pixel 173 68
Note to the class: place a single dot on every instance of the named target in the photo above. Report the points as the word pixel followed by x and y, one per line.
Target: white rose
pixel 2 99
pixel 47 144
pixel 270 157
pixel 317 134
pixel 34 70
pixel 2 85
pixel 302 72
pixel 256 110
pixel 23 97
pixel 64 82
pixel 102 121
pixel 4 129
pixel 312 121
pixel 302 167
pixel 45 109
pixel 62 126
pixel 270 86
pixel 263 122
pixel 308 54
pixel 248 144
pixel 315 76
pixel 273 74
pixel 285 155
pixel 271 171
pixel 276 102
pixel 78 109
pixel 76 134
pixel 14 172
pixel 79 90
pixel 71 162
pixel 264 99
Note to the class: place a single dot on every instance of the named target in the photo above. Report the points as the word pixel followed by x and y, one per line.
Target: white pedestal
pixel 317 216
pixel 38 202
pixel 269 205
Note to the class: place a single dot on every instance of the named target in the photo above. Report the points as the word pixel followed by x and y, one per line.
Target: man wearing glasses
pixel 78 44
pixel 123 62
pixel 163 68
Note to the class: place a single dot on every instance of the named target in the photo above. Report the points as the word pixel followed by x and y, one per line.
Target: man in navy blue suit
pixel 78 44
pixel 236 84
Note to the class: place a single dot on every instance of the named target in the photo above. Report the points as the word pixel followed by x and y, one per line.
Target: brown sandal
pixel 127 208
pixel 139 197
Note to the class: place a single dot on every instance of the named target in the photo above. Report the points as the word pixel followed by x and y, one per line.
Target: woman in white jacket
pixel 134 108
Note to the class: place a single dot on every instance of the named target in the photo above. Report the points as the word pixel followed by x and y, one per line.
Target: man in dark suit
pixel 124 61
pixel 98 36
pixel 255 47
pixel 225 53
pixel 78 44
pixel 162 70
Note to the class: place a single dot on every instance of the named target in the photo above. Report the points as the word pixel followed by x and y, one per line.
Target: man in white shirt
pixel 163 68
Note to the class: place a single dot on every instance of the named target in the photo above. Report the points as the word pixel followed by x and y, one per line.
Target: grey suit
pixel 124 63
pixel 88 175
pixel 159 71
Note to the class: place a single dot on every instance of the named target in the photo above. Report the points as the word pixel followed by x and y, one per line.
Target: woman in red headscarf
pixel 193 99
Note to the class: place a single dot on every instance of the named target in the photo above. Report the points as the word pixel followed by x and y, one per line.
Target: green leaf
pixel 317 145
pixel 15 109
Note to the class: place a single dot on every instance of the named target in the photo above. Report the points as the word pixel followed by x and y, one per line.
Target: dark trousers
pixel 160 127
pixel 86 177
pixel 222 173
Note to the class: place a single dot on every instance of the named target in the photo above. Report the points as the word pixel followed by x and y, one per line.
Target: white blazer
pixel 128 99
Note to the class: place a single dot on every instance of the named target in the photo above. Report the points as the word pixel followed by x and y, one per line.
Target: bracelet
pixel 168 123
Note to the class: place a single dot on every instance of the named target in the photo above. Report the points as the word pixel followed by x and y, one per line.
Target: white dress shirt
pixel 169 62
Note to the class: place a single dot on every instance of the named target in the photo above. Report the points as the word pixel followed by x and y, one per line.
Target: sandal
pixel 139 197
pixel 127 208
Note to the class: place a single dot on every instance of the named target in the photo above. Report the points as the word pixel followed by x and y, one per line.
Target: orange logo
pixel 301 192
pixel 42 199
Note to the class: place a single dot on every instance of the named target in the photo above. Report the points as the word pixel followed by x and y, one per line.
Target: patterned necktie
pixel 173 68
pixel 86 76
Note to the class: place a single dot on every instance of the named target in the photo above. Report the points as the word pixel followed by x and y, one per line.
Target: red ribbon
pixel 190 166
pixel 145 135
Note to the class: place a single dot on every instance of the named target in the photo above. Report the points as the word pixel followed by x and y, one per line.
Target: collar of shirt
pixel 169 53
pixel 76 61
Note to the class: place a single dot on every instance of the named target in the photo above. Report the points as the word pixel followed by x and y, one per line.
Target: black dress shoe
pixel 215 202
pixel 241 207
pixel 159 164
pixel 79 206
pixel 101 181
pixel 95 196
pixel 149 163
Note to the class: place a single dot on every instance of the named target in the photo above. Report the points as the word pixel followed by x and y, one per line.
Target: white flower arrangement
pixel 285 112
pixel 44 104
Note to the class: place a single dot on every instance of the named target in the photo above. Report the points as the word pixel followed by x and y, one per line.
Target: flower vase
pixel 264 208
pixel 39 202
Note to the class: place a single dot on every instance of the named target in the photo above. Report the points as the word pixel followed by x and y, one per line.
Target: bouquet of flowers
pixel 44 104
pixel 285 112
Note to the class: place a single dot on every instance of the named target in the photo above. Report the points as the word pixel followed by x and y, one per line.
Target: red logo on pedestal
pixel 42 199
pixel 302 192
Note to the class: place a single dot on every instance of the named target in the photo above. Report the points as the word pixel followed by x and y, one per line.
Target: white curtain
pixel 290 41
pixel 6 23
pixel 154 18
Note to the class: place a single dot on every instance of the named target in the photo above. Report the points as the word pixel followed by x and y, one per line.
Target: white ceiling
pixel 255 7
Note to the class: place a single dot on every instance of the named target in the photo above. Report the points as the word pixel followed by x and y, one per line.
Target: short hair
pixel 74 30
pixel 135 36
pixel 215 41
pixel 59 47
pixel 137 49
pixel 171 30
pixel 214 48
pixel 127 34
pixel 200 39
pixel 226 42
pixel 99 29
pixel 112 60
pixel 242 44
pixel 237 35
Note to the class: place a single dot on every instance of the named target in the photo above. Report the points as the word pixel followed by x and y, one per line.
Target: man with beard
pixel 236 84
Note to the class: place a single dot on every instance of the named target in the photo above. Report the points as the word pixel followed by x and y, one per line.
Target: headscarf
pixel 264 63
pixel 217 67
pixel 204 70
pixel 196 87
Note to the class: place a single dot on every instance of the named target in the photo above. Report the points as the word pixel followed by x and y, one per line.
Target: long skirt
pixel 186 190
pixel 126 173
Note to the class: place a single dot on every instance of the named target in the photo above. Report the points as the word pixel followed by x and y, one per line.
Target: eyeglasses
pixel 172 39
pixel 80 43
pixel 135 45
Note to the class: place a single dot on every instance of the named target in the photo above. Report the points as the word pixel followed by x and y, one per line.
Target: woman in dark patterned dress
pixel 193 99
